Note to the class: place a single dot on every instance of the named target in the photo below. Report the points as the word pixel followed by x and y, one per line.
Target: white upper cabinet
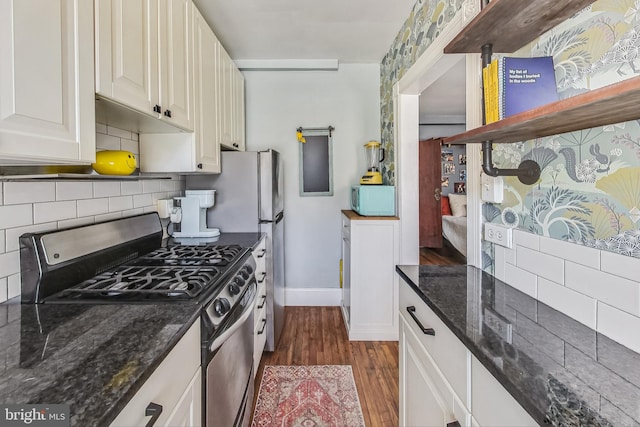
pixel 143 57
pixel 47 111
pixel 231 112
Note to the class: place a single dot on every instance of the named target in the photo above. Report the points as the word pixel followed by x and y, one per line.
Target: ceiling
pixel 444 100
pixel 350 31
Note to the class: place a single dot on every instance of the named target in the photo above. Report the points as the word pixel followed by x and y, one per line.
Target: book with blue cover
pixel 526 83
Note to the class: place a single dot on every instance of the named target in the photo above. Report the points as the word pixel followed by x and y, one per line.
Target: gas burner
pixel 188 255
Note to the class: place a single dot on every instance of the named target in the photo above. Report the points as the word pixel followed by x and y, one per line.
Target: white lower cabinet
pixel 370 253
pixel 441 382
pixel 175 386
pixel 260 313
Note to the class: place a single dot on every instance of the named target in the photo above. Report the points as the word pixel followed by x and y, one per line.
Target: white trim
pixel 287 64
pixel 427 69
pixel 313 296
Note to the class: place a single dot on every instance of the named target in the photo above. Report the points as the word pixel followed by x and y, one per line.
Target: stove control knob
pixel 221 306
pixel 234 289
pixel 246 273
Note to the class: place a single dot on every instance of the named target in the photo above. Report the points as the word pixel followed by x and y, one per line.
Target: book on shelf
pixel 513 85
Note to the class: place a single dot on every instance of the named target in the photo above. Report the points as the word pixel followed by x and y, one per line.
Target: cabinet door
pixel 238 110
pixel 420 403
pixel 206 96
pixel 47 107
pixel 188 410
pixel 176 88
pixel 127 53
pixel 225 112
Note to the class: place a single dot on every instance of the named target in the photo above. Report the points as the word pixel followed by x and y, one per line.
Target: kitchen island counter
pixel 559 370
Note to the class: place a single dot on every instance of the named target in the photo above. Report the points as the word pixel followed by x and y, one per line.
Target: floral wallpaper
pixel 589 190
pixel 426 20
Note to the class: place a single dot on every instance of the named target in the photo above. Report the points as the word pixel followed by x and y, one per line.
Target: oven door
pixel 229 385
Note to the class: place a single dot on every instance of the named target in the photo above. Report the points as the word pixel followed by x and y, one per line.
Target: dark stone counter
pixel 91 357
pixel 562 372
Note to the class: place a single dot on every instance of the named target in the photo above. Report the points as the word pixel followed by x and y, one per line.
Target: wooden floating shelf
pixel 616 103
pixel 510 24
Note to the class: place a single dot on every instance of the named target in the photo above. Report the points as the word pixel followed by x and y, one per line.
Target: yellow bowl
pixel 114 162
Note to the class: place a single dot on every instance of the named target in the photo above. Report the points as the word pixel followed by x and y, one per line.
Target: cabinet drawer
pixel 492 405
pixel 446 350
pixel 167 383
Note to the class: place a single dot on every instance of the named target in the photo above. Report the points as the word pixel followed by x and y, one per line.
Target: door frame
pixel 427 69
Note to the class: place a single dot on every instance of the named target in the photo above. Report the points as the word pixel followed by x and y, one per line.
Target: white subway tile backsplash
pixel 619 326
pixel 101 128
pixel 3 245
pixel 121 133
pixel 618 292
pixel 106 189
pixel 120 203
pixel 73 190
pixel 620 265
pixel 132 212
pixel 500 262
pixel 76 222
pixel 130 187
pixel 28 192
pixel 3 289
pixel 13 234
pixel 16 215
pixel 574 304
pixel 142 200
pixel 510 255
pixel 107 142
pixel 547 266
pixel 130 145
pixel 570 251
pixel 93 207
pixel 109 216
pixel 9 263
pixel 54 211
pixel 529 240
pixel 522 280
pixel 167 185
pixel 151 186
pixel 13 286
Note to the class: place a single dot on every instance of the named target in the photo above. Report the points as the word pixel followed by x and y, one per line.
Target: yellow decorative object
pixel 300 137
pixel 115 162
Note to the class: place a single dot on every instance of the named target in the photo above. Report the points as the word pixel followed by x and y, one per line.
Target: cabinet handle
pixel 262 252
pixel 153 410
pixel 199 165
pixel 157 109
pixel 264 326
pixel 167 113
pixel 262 278
pixel 264 298
pixel 235 144
pixel 427 331
pixel 453 424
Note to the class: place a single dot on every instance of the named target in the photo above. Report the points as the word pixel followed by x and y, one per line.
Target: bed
pixel 454 221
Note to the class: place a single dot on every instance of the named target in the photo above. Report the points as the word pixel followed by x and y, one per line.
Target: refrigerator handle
pixel 279 217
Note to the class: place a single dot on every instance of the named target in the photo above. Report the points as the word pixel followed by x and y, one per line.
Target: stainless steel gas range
pixel 127 261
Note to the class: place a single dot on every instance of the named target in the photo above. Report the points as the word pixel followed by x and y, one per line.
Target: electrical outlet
pixel 498 234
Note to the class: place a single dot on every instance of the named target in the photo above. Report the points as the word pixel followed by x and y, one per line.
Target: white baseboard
pixel 313 296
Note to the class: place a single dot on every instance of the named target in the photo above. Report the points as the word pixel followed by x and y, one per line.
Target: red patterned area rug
pixel 308 396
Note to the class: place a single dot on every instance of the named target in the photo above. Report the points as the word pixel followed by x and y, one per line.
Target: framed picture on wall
pixel 463 175
pixel 448 168
pixel 447 155
pixel 460 187
pixel 445 181
pixel 462 158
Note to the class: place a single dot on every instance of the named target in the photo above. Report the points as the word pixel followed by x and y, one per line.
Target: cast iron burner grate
pixel 186 255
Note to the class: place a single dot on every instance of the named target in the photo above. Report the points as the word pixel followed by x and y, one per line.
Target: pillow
pixel 445 208
pixel 458 204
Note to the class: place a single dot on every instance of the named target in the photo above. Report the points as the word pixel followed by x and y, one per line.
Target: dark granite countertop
pixel 562 372
pixel 91 357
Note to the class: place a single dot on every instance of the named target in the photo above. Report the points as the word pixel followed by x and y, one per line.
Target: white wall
pixel 278 102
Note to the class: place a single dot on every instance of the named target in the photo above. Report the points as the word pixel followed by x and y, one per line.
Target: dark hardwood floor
pixel 317 336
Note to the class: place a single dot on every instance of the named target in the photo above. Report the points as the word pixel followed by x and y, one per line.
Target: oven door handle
pixel 248 310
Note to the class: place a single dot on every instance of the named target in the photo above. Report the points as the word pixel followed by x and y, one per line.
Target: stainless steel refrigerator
pixel 250 198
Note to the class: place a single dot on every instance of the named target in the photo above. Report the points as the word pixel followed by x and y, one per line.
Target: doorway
pixel 425 72
pixel 442 168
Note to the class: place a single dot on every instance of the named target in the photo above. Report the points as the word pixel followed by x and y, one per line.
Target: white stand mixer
pixel 192 214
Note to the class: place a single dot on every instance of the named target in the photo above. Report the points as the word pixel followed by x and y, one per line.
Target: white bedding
pixel 454 229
